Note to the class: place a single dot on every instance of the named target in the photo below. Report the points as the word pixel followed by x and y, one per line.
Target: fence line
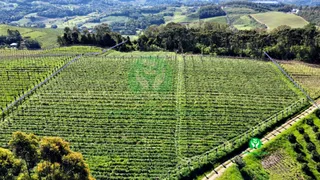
pixel 30 92
pixel 212 155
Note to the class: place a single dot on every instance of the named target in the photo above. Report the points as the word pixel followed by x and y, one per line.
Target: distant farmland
pixel 275 19
pixel 46 37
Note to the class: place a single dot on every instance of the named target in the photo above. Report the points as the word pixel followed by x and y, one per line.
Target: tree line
pixel 101 36
pixel 209 38
pixel 30 157
pixel 216 39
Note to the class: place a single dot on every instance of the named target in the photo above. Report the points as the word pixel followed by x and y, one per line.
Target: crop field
pixel 142 117
pixel 17 75
pixel 244 22
pixel 275 19
pixel 306 75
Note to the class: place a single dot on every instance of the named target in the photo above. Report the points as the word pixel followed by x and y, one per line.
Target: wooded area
pixel 211 38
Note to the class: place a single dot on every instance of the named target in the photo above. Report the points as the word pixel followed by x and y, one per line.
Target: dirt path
pixel 217 172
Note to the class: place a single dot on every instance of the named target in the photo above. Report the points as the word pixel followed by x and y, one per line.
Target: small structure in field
pixel 14 45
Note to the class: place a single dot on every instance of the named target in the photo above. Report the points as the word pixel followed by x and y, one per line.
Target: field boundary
pixel 30 92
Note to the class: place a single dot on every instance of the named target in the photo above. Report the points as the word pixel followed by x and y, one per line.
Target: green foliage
pixel 311 146
pixel 300 129
pixel 210 11
pixel 102 37
pixel 318 135
pixel 51 158
pixel 318 113
pixel 315 156
pixel 292 138
pixel 297 147
pixel 53 149
pixel 283 43
pixel 306 137
pixel 10 166
pixel 300 158
pixel 25 146
pixel 310 122
pixel 91 104
pixel 239 161
pixel 311 14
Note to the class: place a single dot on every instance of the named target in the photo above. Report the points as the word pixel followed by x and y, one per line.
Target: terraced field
pixel 148 117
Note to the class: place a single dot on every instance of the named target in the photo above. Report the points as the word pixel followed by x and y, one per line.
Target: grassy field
pixel 306 75
pixel 46 37
pixel 142 117
pixel 246 23
pixel 275 19
pixel 284 158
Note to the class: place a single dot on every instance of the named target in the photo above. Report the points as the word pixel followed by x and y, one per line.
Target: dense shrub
pixel 292 138
pixel 315 129
pixel 306 137
pixel 301 130
pixel 318 136
pixel 310 122
pixel 318 113
pixel 297 147
pixel 318 167
pixel 311 147
pixel 315 156
pixel 239 161
pixel 305 167
pixel 300 158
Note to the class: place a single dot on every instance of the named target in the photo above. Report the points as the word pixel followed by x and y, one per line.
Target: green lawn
pixel 275 19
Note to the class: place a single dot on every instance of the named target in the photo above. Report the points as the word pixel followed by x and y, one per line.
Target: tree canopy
pixel 32 157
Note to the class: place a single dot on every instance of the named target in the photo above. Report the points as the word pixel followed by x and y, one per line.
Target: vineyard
pixel 17 75
pixel 305 74
pixel 153 116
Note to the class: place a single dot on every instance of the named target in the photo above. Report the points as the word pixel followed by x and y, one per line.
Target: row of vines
pixel 150 117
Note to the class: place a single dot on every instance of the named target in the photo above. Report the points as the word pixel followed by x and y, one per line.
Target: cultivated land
pixel 44 36
pixel 17 75
pixel 275 19
pixel 144 116
pixel 280 159
pixel 306 75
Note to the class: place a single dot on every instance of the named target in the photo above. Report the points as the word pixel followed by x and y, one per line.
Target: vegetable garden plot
pixel 17 75
pixel 140 117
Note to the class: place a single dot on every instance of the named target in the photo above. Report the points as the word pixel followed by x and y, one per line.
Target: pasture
pixel 46 37
pixel 275 19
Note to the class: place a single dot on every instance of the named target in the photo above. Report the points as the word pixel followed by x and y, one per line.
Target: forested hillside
pixel 311 14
